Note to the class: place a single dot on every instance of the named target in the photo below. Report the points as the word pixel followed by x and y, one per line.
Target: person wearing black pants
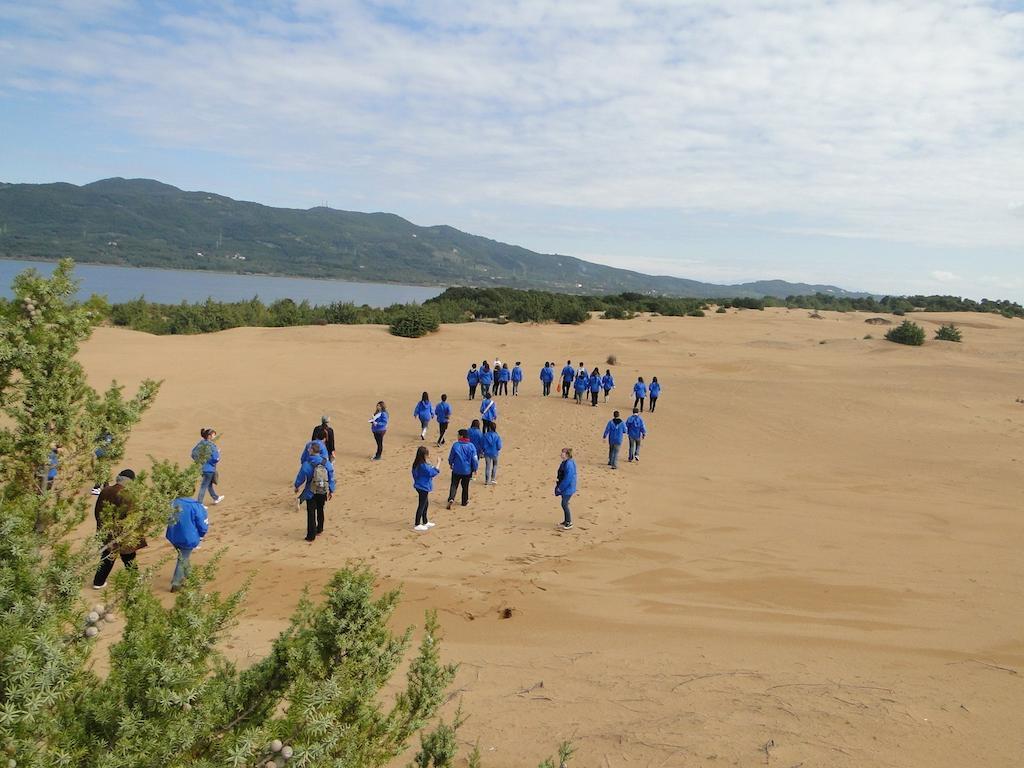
pixel 113 506
pixel 379 425
pixel 109 557
pixel 315 485
pixel 639 393
pixel 464 463
pixel 315 515
pixel 568 375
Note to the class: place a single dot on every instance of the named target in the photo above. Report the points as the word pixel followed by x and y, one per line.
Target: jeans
pixel 181 568
pixel 634 448
pixel 207 485
pixel 379 437
pixel 654 402
pixel 515 388
pixel 421 507
pixel 490 469
pixel 472 391
pixel 442 427
pixel 315 514
pixel 490 426
pixel 108 558
pixel 565 389
pixel 613 455
pixel 639 401
pixel 424 423
pixel 593 397
pixel 456 481
pixel 547 388
pixel 566 511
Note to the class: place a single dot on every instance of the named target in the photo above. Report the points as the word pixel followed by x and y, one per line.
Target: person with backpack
pixel 423 475
pixel 189 524
pixel 476 437
pixel 568 374
pixel 304 456
pixel 639 393
pixel 489 413
pixel 595 386
pixel 547 375
pixel 325 432
pixel 655 393
pixel 517 376
pixel 464 463
pixel 473 379
pixel 637 431
pixel 486 379
pixel 491 447
pixel 379 426
pixel 565 486
pixel 207 454
pixel 424 411
pixel 580 386
pixel 314 484
pixel 608 383
pixel 443 413
pixel 614 432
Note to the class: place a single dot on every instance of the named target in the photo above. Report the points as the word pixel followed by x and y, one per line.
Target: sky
pixel 874 145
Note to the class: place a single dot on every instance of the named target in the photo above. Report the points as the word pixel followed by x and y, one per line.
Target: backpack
pixel 319 484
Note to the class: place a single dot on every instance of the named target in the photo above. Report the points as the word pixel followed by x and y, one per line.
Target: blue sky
pixel 872 145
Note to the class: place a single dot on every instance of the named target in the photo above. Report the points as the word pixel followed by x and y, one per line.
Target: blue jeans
pixel 490 469
pixel 207 485
pixel 613 454
pixel 181 568
pixel 565 509
pixel 634 448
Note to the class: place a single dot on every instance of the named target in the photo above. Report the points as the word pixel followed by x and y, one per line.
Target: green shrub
pixel 868 336
pixel 695 313
pixel 899 312
pixel 721 311
pixel 617 313
pixel 572 314
pixel 948 333
pixel 414 321
pixel 906 332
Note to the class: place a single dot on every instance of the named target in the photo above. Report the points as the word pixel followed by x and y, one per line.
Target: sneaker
pixel 99 586
pixel 450 502
pixel 636 459
pixel 375 458
pixel 494 482
pixel 219 499
pixel 95 491
pixel 420 528
pixel 565 526
pixel 311 538
pixel 175 589
pixel 431 525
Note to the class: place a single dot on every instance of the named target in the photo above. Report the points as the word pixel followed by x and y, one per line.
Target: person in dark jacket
pixel 568 374
pixel 113 506
pixel 443 413
pixel 654 392
pixel 464 463
pixel 379 426
pixel 639 393
pixel 517 376
pixel 565 486
pixel 315 480
pixel 424 412
pixel 325 432
pixel 423 475
pixel 185 531
pixel 614 432
pixel 207 454
pixel 637 431
pixel 473 379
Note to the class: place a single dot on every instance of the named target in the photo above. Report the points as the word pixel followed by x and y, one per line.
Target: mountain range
pixel 145 223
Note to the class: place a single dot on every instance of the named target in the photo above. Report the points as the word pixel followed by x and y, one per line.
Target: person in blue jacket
pixel 489 413
pixel 547 375
pixel 637 431
pixel 464 463
pixel 568 374
pixel 314 484
pixel 655 392
pixel 206 453
pixel 423 475
pixel 594 383
pixel 504 376
pixel 379 426
pixel 492 447
pixel 565 486
pixel 424 411
pixel 639 393
pixel 476 437
pixel 187 527
pixel 581 385
pixel 472 378
pixel 304 456
pixel 443 413
pixel 486 379
pixel 517 376
pixel 608 382
pixel 614 432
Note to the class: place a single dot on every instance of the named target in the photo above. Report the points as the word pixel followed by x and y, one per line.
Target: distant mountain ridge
pixel 146 223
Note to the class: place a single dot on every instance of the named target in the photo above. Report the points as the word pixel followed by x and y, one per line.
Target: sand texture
pixel 817 563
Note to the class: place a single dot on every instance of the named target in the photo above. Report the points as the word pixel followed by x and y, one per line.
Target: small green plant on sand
pixel 948 333
pixel 907 332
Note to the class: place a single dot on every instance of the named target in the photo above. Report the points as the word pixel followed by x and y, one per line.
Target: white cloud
pixel 943 276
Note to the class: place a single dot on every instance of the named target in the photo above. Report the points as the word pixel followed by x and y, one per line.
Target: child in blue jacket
pixel 517 376
pixel 423 475
pixel 424 411
pixel 639 393
pixel 491 448
pixel 443 412
pixel 565 486
pixel 186 529
pixel 655 392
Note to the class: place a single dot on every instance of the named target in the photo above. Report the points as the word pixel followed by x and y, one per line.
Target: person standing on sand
pixel 639 393
pixel 113 506
pixel 486 379
pixel 492 447
pixel 547 375
pixel 423 475
pixel 595 386
pixel 476 437
pixel 464 463
pixel 506 377
pixel 489 413
pixel 325 432
pixel 517 377
pixel 188 527
pixel 472 378
pixel 655 393
pixel 424 411
pixel 581 385
pixel 608 383
pixel 565 486
pixel 637 431
pixel 316 481
pixel 206 453
pixel 443 412
pixel 614 432
pixel 568 374
pixel 379 426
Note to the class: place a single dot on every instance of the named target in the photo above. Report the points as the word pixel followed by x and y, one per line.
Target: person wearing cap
pixel 206 453
pixel 113 506
pixel 325 432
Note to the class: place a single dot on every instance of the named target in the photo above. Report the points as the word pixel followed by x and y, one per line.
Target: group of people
pixel 494 379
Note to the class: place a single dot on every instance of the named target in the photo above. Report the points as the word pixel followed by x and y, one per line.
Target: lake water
pixel 172 286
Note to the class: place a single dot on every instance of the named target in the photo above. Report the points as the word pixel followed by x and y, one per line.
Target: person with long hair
pixel 424 411
pixel 423 474
pixel 207 454
pixel 639 393
pixel 654 392
pixel 565 486
pixel 547 375
pixel 608 382
pixel 379 426
pixel 595 386
pixel 486 379
pixel 473 379
pixel 517 376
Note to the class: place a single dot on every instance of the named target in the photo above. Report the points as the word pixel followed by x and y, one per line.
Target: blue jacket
pixel 655 389
pixel 568 373
pixel 443 411
pixel 582 382
pixel 476 437
pixel 489 410
pixel 640 389
pixel 492 445
pixel 565 484
pixel 189 524
pixel 517 374
pixel 305 451
pixel 462 458
pixel 595 383
pixel 305 476
pixel 635 426
pixel 380 422
pixel 614 431
pixel 424 410
pixel 486 377
pixel 504 374
pixel 607 381
pixel 51 472
pixel 473 376
pixel 547 374
pixel 204 447
pixel 423 476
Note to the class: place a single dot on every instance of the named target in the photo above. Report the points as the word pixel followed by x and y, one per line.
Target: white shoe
pixel 101 586
pixel 95 491
pixel 219 499
pixel 420 528
pixel 431 525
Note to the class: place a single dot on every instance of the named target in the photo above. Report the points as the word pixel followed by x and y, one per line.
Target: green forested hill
pixel 141 222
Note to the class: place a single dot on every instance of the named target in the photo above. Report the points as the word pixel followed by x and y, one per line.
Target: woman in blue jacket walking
pixel 547 375
pixel 491 447
pixel 655 392
pixel 472 378
pixel 206 453
pixel 608 383
pixel 378 426
pixel 639 393
pixel 188 529
pixel 565 486
pixel 443 413
pixel 486 379
pixel 489 413
pixel 594 384
pixel 424 411
pixel 614 432
pixel 517 376
pixel 580 386
pixel 423 475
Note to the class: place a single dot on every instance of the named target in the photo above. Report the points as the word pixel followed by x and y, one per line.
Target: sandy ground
pixel 817 563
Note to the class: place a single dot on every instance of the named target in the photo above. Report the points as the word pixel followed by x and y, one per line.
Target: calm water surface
pixel 172 286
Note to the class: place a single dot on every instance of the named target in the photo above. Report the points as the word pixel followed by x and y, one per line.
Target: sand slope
pixel 817 563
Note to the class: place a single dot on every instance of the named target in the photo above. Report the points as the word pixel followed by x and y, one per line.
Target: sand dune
pixel 818 561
